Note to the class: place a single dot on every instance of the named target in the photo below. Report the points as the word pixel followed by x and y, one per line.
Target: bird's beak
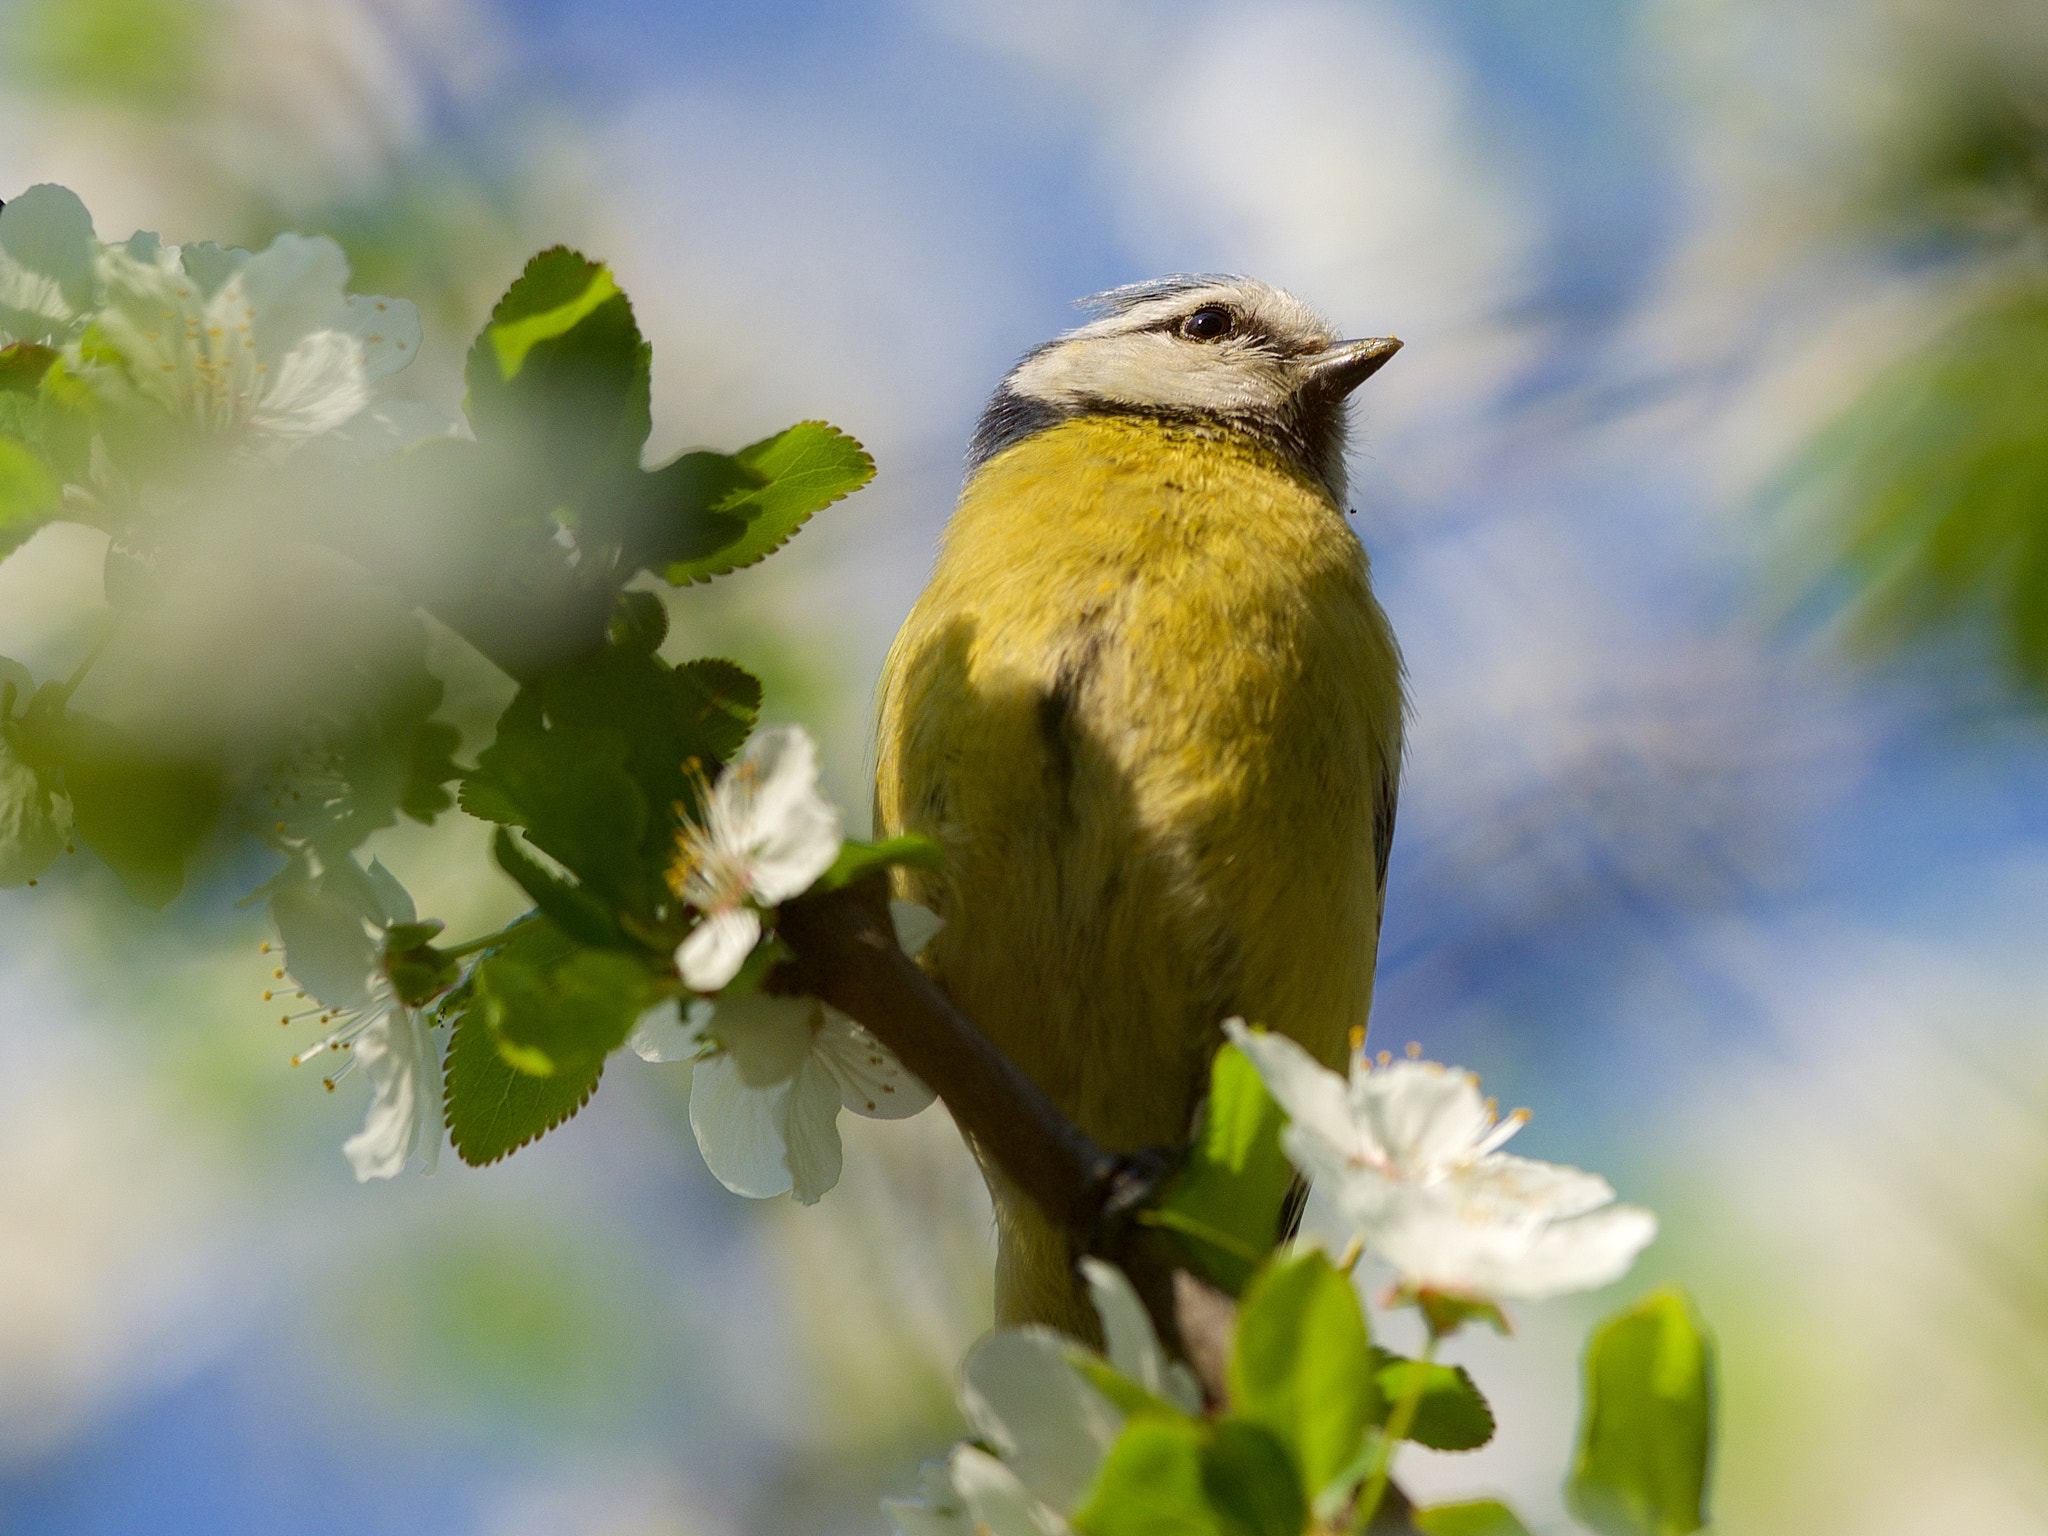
pixel 1339 369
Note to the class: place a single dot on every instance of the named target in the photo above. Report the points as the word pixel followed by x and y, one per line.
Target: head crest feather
pixel 1116 301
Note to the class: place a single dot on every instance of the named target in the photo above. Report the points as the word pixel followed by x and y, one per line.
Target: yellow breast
pixel 1152 712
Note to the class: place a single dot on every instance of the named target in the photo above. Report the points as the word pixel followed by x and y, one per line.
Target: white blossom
pixel 262 352
pixel 773 1073
pixel 1408 1153
pixel 333 928
pixel 1046 1426
pixel 767 834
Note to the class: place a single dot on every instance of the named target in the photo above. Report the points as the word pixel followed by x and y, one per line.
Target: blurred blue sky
pixel 1648 802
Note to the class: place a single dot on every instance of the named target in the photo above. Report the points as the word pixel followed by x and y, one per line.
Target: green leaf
pixel 1646 1437
pixel 494 1109
pixel 639 622
pixel 143 815
pixel 22 366
pixel 558 377
pixel 568 787
pixel 1181 1477
pixel 430 765
pixel 1122 1393
pixel 1251 1480
pixel 563 1017
pixel 717 703
pixel 592 758
pixel 1451 1416
pixel 675 519
pixel 29 494
pixel 1228 1201
pixel 578 913
pixel 1481 1517
pixel 806 468
pixel 1303 1364
pixel 857 859
pixel 33 816
pixel 1930 495
pixel 559 289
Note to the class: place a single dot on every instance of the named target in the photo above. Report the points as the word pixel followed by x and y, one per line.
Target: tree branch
pixel 847 955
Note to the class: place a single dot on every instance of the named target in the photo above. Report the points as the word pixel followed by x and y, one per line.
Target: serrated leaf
pixel 1480 1517
pixel 559 1018
pixel 1451 1416
pixel 856 859
pixel 29 494
pixel 1228 1200
pixel 143 815
pixel 592 757
pixel 675 517
pixel 491 1108
pixel 1303 1367
pixel 717 703
pixel 806 468
pixel 558 379
pixel 552 296
pixel 431 764
pixel 571 908
pixel 639 622
pixel 1646 1437
pixel 568 787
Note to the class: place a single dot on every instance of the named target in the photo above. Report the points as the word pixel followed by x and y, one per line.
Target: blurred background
pixel 1709 498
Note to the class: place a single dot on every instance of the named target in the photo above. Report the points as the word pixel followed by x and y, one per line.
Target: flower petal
pixel 997 1500
pixel 666 1032
pixel 312 389
pixel 328 947
pixel 915 926
pixel 1133 1345
pixel 740 1129
pixel 1421 1113
pixel 869 1080
pixel 405 1074
pixel 937 1511
pixel 815 1155
pixel 393 901
pixel 388 331
pixel 790 832
pixel 1524 1187
pixel 1581 1254
pixel 296 288
pixel 1313 1096
pixel 767 1036
pixel 1021 1395
pixel 717 947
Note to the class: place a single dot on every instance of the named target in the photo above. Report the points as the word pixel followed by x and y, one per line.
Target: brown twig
pixel 847 954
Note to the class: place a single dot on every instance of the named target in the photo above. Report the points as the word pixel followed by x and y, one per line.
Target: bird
pixel 1151 712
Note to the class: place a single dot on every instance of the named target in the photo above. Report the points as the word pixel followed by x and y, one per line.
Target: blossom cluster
pixel 259 353
pixel 1407 1154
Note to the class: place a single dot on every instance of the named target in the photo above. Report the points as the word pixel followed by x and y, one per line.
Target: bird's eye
pixel 1209 323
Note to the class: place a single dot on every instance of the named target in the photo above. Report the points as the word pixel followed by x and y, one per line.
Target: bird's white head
pixel 1225 350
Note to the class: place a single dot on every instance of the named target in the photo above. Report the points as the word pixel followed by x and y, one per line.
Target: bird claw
pixel 1127 1183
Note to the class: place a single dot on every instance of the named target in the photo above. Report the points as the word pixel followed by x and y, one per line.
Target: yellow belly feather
pixel 1151 710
